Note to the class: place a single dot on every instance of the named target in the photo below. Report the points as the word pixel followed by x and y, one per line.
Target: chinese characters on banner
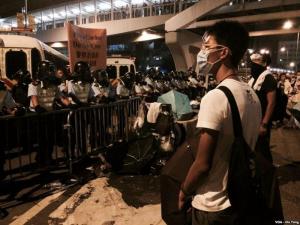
pixel 88 45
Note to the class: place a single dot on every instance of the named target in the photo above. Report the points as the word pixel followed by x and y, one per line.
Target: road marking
pixel 29 214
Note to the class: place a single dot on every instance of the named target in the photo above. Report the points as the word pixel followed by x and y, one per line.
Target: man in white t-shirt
pixel 223 46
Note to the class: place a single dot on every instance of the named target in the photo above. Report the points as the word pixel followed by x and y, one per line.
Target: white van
pixel 23 52
pixel 118 65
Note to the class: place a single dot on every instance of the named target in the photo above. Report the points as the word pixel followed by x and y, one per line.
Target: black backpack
pixel 243 185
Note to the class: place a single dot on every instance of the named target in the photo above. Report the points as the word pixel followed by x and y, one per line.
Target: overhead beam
pixel 188 16
pixel 251 6
pixel 273 32
pixel 249 19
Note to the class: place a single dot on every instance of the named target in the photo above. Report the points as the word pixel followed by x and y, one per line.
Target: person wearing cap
pixel 265 85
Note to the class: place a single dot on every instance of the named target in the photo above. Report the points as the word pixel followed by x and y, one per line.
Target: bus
pixel 24 52
pixel 118 65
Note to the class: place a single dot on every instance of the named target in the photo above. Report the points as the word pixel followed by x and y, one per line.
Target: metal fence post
pixel 68 126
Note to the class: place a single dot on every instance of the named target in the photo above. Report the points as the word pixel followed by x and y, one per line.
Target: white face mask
pixel 202 60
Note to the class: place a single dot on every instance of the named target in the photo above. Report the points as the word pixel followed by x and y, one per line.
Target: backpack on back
pixel 244 174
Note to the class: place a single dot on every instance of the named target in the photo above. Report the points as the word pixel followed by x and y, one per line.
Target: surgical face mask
pixel 202 60
pixel 256 69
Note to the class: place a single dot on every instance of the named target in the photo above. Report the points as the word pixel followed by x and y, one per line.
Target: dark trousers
pixel 263 145
pixel 225 217
pixel 169 202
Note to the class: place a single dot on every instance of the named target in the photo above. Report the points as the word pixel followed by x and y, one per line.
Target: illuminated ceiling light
pixel 62 13
pixel 89 8
pixel 292 64
pixel 282 49
pixel 231 3
pixel 75 11
pixel 119 3
pixel 146 36
pixel 56 16
pixel 287 25
pixel 137 2
pixel 262 51
pixel 250 50
pixel 104 6
pixel 267 51
pixel 57 45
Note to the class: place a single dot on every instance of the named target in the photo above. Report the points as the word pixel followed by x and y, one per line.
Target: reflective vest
pixel 46 96
pixel 82 91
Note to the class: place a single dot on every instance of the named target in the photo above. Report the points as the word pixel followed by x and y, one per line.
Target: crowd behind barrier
pixel 40 138
pixel 37 141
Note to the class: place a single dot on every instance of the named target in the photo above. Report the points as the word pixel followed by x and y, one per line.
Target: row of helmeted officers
pixel 54 88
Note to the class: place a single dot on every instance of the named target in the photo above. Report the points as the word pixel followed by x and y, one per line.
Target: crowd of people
pixel 53 88
pixel 258 104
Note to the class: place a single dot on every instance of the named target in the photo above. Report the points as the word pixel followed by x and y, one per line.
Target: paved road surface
pixel 131 200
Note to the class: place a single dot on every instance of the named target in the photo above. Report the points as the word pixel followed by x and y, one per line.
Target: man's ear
pixel 224 53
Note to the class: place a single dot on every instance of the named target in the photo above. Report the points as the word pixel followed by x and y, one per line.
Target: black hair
pixel 267 59
pixel 233 35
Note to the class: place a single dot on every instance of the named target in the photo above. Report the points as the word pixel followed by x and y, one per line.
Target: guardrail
pixel 47 141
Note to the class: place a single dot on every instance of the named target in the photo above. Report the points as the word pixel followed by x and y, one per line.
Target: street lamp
pixel 292 64
pixel 250 51
pixel 288 25
pixel 284 49
pixel 264 51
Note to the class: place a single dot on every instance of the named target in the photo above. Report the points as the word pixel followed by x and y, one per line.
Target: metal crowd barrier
pixel 51 140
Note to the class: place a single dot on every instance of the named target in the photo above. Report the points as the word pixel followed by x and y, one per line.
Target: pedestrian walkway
pixel 285 147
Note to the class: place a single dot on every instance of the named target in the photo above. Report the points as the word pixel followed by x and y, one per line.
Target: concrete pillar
pixel 184 47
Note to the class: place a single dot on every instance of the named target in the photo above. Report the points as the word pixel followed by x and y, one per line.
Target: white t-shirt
pixel 98 90
pixel 32 91
pixel 122 90
pixel 215 114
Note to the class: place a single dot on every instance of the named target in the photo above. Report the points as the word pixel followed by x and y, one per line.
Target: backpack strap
pixel 236 119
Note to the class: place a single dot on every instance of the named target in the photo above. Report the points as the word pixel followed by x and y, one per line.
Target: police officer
pixel 8 106
pixel 125 86
pixel 19 91
pixel 139 85
pixel 42 92
pixel 62 99
pixel 79 86
pixel 43 89
pixel 101 88
pixel 79 89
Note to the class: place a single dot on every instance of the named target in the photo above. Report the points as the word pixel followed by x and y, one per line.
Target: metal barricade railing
pixel 31 142
pixel 39 142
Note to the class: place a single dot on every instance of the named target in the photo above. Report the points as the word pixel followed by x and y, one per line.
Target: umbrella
pixel 180 102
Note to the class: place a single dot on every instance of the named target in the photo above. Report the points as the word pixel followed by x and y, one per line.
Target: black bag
pixel 244 174
pixel 172 175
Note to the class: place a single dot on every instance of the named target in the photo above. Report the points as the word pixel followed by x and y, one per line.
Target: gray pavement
pixel 285 147
pixel 123 200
